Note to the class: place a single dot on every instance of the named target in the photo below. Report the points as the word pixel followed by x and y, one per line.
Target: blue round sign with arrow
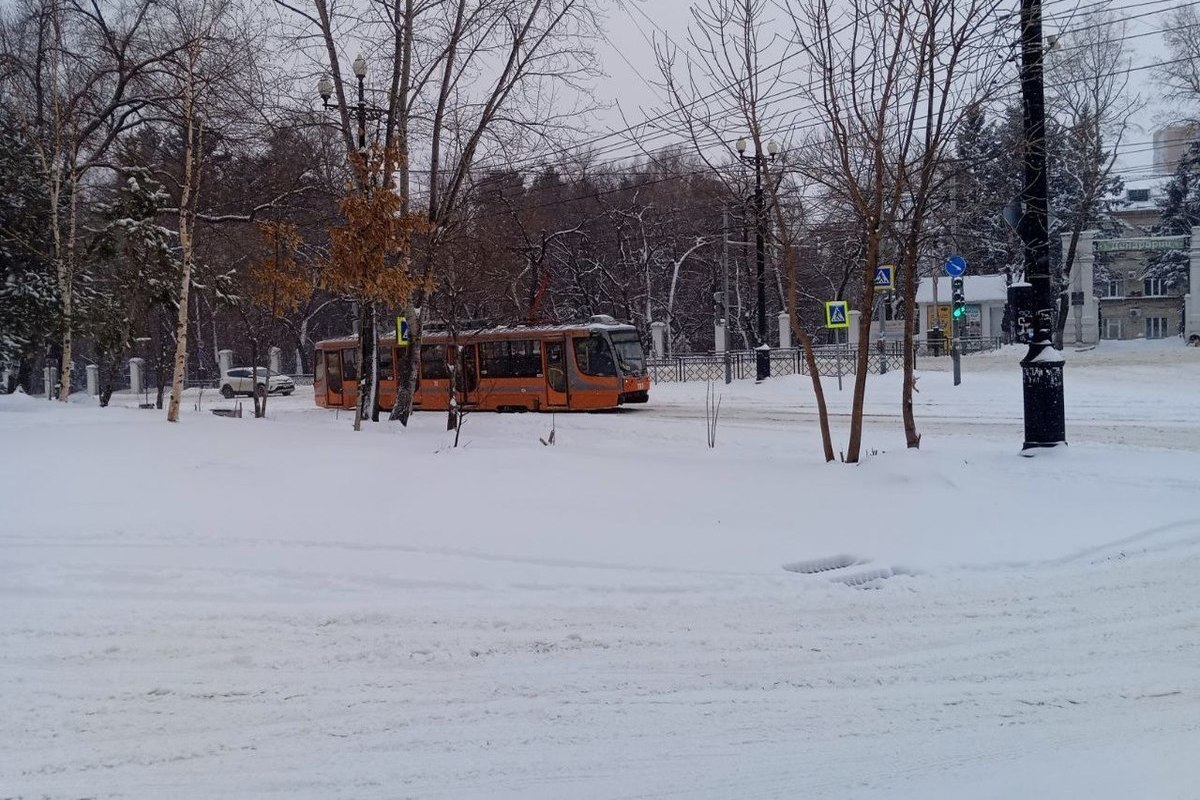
pixel 956 266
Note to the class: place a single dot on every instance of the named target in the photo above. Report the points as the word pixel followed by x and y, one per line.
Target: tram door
pixel 333 378
pixel 555 370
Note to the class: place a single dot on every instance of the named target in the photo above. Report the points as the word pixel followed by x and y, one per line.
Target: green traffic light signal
pixel 958 311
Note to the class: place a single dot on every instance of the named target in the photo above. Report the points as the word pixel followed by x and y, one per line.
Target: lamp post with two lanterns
pixel 759 160
pixel 325 89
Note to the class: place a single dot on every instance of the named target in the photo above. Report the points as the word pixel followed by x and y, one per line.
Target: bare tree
pixel 1093 105
pixel 729 79
pixel 888 83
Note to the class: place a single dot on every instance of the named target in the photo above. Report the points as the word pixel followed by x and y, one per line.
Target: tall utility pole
pixel 759 160
pixel 725 295
pixel 1042 367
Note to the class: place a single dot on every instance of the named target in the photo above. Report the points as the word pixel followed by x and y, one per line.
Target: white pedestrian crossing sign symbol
pixel 837 315
pixel 883 277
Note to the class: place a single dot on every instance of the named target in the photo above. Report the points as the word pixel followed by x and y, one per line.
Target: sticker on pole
pixel 883 277
pixel 837 314
pixel 956 266
pixel 401 332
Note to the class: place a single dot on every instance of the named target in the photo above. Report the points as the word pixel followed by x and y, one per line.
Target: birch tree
pixel 76 76
pixel 204 82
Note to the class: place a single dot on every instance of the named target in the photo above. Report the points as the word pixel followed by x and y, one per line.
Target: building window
pixel 1156 327
pixel 1114 329
pixel 1114 288
pixel 1139 195
pixel 1154 287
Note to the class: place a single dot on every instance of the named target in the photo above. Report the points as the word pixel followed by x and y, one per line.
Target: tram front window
pixel 594 356
pixel 630 355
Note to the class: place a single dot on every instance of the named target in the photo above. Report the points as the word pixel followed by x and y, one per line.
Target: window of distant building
pixel 1114 288
pixel 1156 327
pixel 1154 287
pixel 1138 195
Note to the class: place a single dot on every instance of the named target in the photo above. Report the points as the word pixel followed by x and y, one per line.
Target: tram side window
pixel 319 367
pixel 385 364
pixel 594 356
pixel 433 362
pixel 507 359
pixel 350 364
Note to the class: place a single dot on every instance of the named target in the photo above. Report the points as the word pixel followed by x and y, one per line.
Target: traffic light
pixel 958 298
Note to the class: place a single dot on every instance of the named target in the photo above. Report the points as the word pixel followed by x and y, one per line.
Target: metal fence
pixel 832 360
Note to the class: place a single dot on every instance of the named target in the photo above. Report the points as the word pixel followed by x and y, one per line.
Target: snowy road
pixel 280 608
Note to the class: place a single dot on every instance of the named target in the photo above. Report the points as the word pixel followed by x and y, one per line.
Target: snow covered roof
pixel 977 288
pixel 1142 194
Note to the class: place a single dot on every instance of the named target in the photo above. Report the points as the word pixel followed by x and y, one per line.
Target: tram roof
pixel 516 330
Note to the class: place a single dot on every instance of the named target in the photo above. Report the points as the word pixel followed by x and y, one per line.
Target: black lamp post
pixel 325 89
pixel 1042 367
pixel 759 160
pixel 365 315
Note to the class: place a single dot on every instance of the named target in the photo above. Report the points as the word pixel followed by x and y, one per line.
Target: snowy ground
pixel 281 608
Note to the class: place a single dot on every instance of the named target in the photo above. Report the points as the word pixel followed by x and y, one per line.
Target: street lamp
pixel 325 89
pixel 759 160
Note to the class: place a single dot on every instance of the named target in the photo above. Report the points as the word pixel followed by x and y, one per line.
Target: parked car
pixel 239 381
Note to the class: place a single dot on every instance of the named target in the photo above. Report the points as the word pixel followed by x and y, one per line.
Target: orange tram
pixel 590 366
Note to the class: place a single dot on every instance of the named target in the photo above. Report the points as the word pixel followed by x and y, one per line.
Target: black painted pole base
pixel 762 363
pixel 1042 378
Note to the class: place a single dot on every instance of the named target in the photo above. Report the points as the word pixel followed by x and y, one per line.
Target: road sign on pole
pixel 956 266
pixel 401 332
pixel 837 314
pixel 884 277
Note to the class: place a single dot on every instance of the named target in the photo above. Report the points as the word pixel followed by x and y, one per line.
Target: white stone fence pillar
pixel 136 366
pixel 658 333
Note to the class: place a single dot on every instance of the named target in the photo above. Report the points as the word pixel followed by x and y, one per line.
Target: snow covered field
pixel 282 608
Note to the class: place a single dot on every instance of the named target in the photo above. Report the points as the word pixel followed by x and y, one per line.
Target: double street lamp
pixel 760 160
pixel 325 89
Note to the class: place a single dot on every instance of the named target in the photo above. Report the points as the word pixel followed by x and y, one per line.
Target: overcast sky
pixel 628 59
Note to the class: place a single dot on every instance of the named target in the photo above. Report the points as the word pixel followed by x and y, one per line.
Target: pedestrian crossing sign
pixel 883 277
pixel 837 314
pixel 401 332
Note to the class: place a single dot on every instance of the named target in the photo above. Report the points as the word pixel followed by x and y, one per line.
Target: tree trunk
pixel 406 368
pixel 1064 296
pixel 911 438
pixel 864 350
pixel 191 148
pixel 67 287
pixel 806 345
pixel 367 362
